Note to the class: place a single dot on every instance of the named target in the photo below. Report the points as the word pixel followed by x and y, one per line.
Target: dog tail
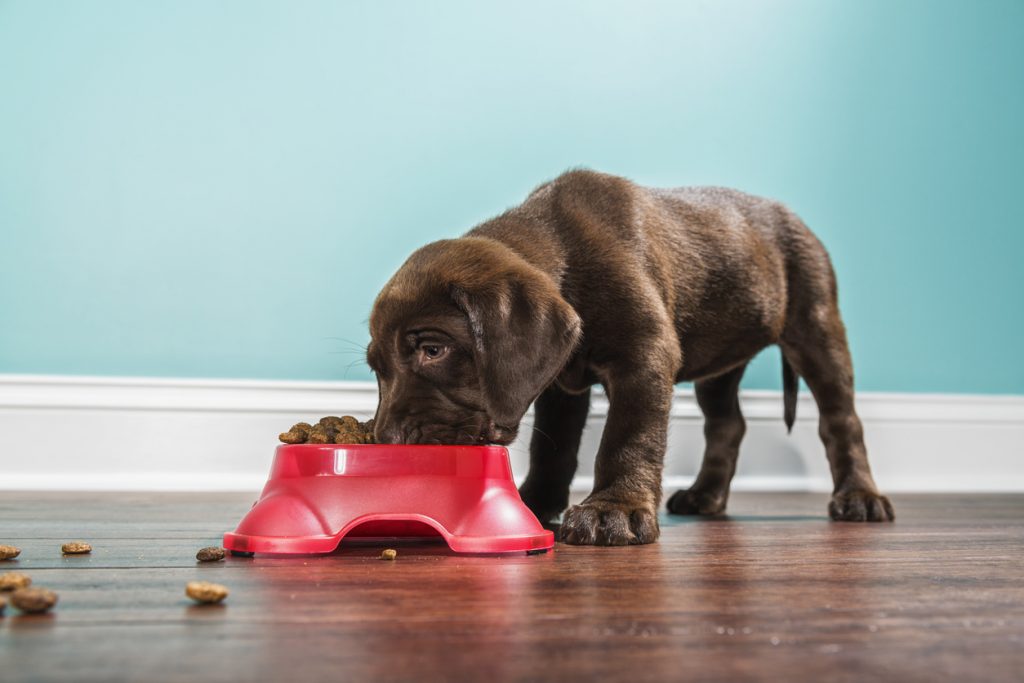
pixel 790 386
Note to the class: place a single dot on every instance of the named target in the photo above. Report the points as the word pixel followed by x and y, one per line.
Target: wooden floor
pixel 773 593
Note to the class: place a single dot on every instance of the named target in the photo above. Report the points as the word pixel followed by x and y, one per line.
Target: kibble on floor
pixel 76 548
pixel 210 554
pixel 12 581
pixel 33 600
pixel 205 592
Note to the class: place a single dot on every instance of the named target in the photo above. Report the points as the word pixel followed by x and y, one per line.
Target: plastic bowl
pixel 318 495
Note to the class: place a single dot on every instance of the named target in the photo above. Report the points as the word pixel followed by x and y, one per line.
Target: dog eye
pixel 432 351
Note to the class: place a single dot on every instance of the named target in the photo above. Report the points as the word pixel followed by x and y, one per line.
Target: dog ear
pixel 524 332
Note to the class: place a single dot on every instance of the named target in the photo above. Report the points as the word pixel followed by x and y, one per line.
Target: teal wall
pixel 218 189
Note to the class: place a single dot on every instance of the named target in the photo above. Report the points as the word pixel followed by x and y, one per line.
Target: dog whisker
pixel 544 434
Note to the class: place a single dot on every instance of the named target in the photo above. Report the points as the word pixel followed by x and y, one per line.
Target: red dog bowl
pixel 319 494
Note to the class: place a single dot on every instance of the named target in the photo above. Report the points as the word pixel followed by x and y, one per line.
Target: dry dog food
pixel 331 429
pixel 389 554
pixel 205 592
pixel 297 434
pixel 210 554
pixel 76 548
pixel 12 581
pixel 33 600
pixel 9 552
pixel 3 603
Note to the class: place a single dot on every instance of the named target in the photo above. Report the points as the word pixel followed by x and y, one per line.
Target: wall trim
pixel 244 395
pixel 121 433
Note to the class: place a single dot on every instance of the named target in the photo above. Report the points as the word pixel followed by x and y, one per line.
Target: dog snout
pixel 436 425
pixel 402 431
pixel 501 435
pixel 387 432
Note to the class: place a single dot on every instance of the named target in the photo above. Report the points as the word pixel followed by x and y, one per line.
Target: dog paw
pixel 696 502
pixel 860 506
pixel 595 522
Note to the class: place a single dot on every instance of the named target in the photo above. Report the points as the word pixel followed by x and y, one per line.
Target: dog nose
pixel 386 433
pixel 501 435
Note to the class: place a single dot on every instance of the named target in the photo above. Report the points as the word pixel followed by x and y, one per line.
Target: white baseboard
pixel 88 433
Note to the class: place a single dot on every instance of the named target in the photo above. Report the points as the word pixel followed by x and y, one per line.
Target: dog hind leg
pixel 724 427
pixel 815 343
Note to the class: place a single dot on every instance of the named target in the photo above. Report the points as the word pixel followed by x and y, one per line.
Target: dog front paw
pixel 860 506
pixel 598 522
pixel 696 502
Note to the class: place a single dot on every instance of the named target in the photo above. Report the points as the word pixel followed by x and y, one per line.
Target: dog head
pixel 463 338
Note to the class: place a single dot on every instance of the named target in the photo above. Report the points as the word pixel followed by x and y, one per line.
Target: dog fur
pixel 596 280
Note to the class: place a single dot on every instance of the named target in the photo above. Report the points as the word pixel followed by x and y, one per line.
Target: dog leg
pixel 559 418
pixel 718 398
pixel 622 509
pixel 816 347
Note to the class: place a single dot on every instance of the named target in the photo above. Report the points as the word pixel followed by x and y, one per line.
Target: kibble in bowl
pixel 331 429
pixel 297 434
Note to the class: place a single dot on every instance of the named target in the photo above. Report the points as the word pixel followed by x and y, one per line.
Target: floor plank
pixel 774 591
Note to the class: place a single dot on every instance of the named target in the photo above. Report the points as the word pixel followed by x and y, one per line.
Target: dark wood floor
pixel 774 592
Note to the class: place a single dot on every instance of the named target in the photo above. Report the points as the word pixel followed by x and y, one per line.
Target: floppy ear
pixel 524 333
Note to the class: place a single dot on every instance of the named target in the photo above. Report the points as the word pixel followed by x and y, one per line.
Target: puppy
pixel 594 279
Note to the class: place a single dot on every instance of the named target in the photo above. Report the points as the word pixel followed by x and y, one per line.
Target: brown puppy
pixel 594 279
